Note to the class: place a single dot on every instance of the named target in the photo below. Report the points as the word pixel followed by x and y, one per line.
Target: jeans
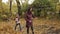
pixel 17 25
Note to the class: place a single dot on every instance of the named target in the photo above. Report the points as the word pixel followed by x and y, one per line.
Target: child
pixel 17 22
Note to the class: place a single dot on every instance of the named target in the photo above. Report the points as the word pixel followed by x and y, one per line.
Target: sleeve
pixel 26 17
pixel 33 16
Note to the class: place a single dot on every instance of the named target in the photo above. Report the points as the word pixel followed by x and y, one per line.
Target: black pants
pixel 17 25
pixel 31 29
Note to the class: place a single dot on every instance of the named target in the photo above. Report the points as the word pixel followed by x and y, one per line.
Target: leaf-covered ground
pixel 41 26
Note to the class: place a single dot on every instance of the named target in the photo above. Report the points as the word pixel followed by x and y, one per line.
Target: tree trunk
pixel 18 6
pixel 11 7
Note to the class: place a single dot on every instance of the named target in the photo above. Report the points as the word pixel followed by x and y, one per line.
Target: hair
pixel 28 10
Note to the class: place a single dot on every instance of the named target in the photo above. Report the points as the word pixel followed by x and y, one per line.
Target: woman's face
pixel 31 9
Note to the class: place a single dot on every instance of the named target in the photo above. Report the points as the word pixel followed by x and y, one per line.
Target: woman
pixel 28 17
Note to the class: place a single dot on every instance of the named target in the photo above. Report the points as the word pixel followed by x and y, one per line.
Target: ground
pixel 41 26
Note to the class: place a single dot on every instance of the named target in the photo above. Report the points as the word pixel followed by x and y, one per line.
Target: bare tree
pixel 11 7
pixel 18 6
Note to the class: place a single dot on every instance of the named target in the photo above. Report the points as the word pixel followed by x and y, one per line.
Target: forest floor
pixel 41 26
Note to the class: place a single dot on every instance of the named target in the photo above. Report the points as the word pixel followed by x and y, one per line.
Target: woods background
pixel 41 8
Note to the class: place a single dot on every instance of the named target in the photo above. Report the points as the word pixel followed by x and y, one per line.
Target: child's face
pixel 17 15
